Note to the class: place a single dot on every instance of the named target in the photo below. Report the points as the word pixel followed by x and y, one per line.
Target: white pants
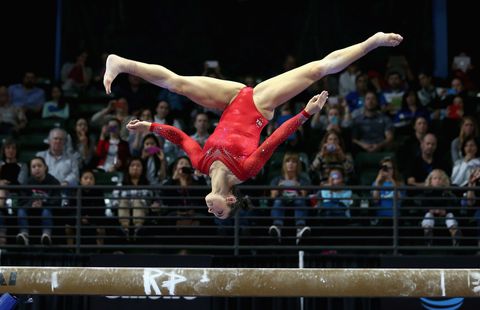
pixel 429 220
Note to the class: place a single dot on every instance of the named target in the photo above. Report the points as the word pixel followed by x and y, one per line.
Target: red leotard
pixel 235 139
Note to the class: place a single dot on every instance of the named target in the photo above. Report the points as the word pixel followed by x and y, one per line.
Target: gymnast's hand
pixel 138 126
pixel 317 102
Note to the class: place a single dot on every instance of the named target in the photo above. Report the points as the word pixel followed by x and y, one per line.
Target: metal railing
pixel 175 227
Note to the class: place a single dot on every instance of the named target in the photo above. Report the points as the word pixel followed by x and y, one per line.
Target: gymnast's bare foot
pixel 112 69
pixel 317 102
pixel 387 39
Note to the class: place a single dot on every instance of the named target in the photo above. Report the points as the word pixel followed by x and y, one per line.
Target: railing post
pixel 78 220
pixel 395 221
pixel 236 234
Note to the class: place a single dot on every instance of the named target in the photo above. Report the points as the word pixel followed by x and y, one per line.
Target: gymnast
pixel 231 154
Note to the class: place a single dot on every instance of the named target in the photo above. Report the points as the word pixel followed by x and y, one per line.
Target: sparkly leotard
pixel 235 139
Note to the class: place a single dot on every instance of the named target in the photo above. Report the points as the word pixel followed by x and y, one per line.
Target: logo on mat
pixel 445 304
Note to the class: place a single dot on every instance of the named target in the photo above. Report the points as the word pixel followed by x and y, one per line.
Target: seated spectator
pixel 291 177
pixel 139 94
pixel 332 201
pixel 93 208
pixel 12 172
pixel 133 204
pixel 385 199
pixel 411 146
pixel 462 168
pixel 394 92
pixel 468 128
pixel 337 118
pixel 62 165
pixel 57 107
pixel 410 110
pixel 356 99
pixel 163 116
pixel 76 75
pixel 444 207
pixel 420 165
pixel 372 131
pixel 187 208
pixel 27 95
pixel 135 138
pixel 472 201
pixel 201 125
pixel 116 109
pixel 112 151
pixel 12 118
pixel 427 93
pixel 154 158
pixel 331 155
pixel 38 202
pixel 84 143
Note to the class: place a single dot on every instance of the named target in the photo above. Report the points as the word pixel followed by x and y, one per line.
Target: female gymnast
pixel 231 155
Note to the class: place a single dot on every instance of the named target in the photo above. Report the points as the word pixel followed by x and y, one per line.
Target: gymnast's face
pixel 217 205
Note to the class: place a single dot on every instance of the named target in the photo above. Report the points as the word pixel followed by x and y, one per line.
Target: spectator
pixel 184 204
pixel 337 118
pixel 12 118
pixel 372 130
pixel 12 172
pixel 291 177
pixel 384 199
pixel 468 129
pixel 410 110
pixel 444 207
pixel 394 92
pixel 116 109
pixel 112 151
pixel 423 163
pixel 57 107
pixel 93 208
pixel 138 94
pixel 133 204
pixel 135 139
pixel 163 116
pixel 411 145
pixel 333 201
pixel 27 95
pixel 331 154
pixel 346 81
pixel 202 125
pixel 38 202
pixel 154 158
pixel 427 93
pixel 83 144
pixel 462 168
pixel 62 165
pixel 76 76
pixel 472 201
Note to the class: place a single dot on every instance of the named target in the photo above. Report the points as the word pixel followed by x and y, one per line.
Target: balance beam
pixel 236 282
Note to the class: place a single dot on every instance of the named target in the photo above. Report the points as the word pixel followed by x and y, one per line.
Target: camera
pixel 188 170
pixel 331 148
pixel 384 167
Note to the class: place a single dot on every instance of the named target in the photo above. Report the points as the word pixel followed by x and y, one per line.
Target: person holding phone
pixel 231 155
pixel 154 157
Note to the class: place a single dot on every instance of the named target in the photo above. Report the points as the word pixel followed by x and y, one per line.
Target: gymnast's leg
pixel 277 90
pixel 205 91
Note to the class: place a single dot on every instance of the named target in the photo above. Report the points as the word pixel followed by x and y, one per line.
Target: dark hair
pixel 40 158
pixel 143 177
pixel 8 141
pixel 242 203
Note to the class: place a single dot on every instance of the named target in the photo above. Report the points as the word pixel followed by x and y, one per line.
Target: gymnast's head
pixel 226 206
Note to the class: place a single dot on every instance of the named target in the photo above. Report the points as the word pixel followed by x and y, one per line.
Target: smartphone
pixel 212 63
pixel 153 150
pixel 188 170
